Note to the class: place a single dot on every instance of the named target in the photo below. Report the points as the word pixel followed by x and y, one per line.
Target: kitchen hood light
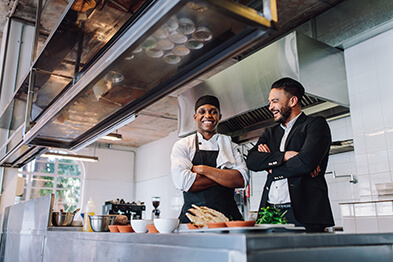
pixel 71 157
pixel 113 137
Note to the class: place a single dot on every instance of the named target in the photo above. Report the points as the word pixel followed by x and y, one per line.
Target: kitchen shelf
pixel 156 51
pixel 338 147
pixel 77 41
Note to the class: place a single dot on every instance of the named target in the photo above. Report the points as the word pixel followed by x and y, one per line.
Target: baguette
pixel 197 221
pixel 200 216
pixel 220 217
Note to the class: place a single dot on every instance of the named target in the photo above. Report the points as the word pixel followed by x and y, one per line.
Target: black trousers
pixel 290 217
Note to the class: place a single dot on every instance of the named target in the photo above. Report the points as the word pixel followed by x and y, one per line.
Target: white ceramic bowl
pixel 166 225
pixel 139 225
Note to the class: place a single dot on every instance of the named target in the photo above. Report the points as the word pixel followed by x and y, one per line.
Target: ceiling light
pixel 113 137
pixel 71 157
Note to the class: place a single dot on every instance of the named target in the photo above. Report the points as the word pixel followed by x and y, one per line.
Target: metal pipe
pixel 29 102
pixel 2 181
pixel 5 145
pixel 8 27
pixel 81 34
pixel 13 8
pixel 52 74
pixel 353 179
pixel 37 30
pixel 15 83
pixel 314 28
pixel 45 6
pixel 18 57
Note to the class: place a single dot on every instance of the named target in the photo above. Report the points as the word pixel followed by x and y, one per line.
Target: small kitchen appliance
pixel 131 210
pixel 156 212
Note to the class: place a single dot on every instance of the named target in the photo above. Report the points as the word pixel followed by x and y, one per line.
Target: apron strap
pixel 196 142
pixel 197 149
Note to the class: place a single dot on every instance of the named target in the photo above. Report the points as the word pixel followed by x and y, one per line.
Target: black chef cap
pixel 207 100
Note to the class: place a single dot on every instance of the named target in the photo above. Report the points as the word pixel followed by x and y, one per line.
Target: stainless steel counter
pixel 26 237
pixel 217 247
pixel 143 247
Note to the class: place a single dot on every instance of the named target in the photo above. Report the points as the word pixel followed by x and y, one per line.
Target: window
pixel 61 177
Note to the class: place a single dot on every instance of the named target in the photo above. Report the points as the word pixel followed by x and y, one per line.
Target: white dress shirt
pixel 279 191
pixel 229 156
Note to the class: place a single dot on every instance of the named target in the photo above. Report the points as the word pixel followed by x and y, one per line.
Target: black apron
pixel 218 197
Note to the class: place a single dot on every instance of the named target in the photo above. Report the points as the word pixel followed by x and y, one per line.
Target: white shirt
pixel 183 152
pixel 279 191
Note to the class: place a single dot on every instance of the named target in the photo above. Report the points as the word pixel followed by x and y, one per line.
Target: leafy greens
pixel 271 215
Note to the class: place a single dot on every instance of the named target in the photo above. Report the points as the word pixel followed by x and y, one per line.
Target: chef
pixel 208 166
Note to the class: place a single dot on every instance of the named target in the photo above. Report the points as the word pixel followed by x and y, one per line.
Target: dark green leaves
pixel 271 215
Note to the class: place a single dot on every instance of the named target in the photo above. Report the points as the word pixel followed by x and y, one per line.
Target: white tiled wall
pixel 368 217
pixel 370 84
pixel 109 178
pixel 154 177
pixel 171 199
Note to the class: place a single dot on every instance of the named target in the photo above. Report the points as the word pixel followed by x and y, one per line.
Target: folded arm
pixel 201 182
pixel 236 176
pixel 315 147
pixel 263 160
pixel 187 177
pixel 181 165
pixel 287 155
pixel 231 178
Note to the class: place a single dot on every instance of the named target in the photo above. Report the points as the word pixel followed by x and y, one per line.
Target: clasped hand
pixel 287 155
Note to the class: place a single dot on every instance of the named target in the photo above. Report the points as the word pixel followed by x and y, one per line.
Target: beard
pixel 285 112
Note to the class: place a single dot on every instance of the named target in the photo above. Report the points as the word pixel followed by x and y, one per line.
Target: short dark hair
pixel 291 86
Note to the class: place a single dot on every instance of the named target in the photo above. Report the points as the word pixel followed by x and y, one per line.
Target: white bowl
pixel 166 225
pixel 139 225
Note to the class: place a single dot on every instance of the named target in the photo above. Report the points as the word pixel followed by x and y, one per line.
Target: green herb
pixel 269 215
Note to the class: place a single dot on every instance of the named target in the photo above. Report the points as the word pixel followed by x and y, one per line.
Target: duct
pixel 358 20
pixel 243 89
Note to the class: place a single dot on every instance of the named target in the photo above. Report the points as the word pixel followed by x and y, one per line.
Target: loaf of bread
pixel 121 220
pixel 200 216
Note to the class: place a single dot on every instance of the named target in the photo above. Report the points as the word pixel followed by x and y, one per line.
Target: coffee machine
pixel 131 210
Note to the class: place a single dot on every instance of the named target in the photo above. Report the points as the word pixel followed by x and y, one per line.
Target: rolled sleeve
pixel 181 165
pixel 240 164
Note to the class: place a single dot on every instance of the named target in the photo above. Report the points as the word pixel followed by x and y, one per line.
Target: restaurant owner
pixel 295 153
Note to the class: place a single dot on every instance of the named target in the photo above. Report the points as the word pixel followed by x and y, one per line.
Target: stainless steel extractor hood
pixel 243 89
pixel 166 45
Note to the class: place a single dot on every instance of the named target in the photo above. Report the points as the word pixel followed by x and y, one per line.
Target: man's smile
pixel 207 117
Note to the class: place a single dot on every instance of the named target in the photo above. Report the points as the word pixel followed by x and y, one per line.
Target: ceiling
pixel 160 119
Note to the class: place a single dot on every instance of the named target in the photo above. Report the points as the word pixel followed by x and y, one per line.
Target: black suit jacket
pixel 310 136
